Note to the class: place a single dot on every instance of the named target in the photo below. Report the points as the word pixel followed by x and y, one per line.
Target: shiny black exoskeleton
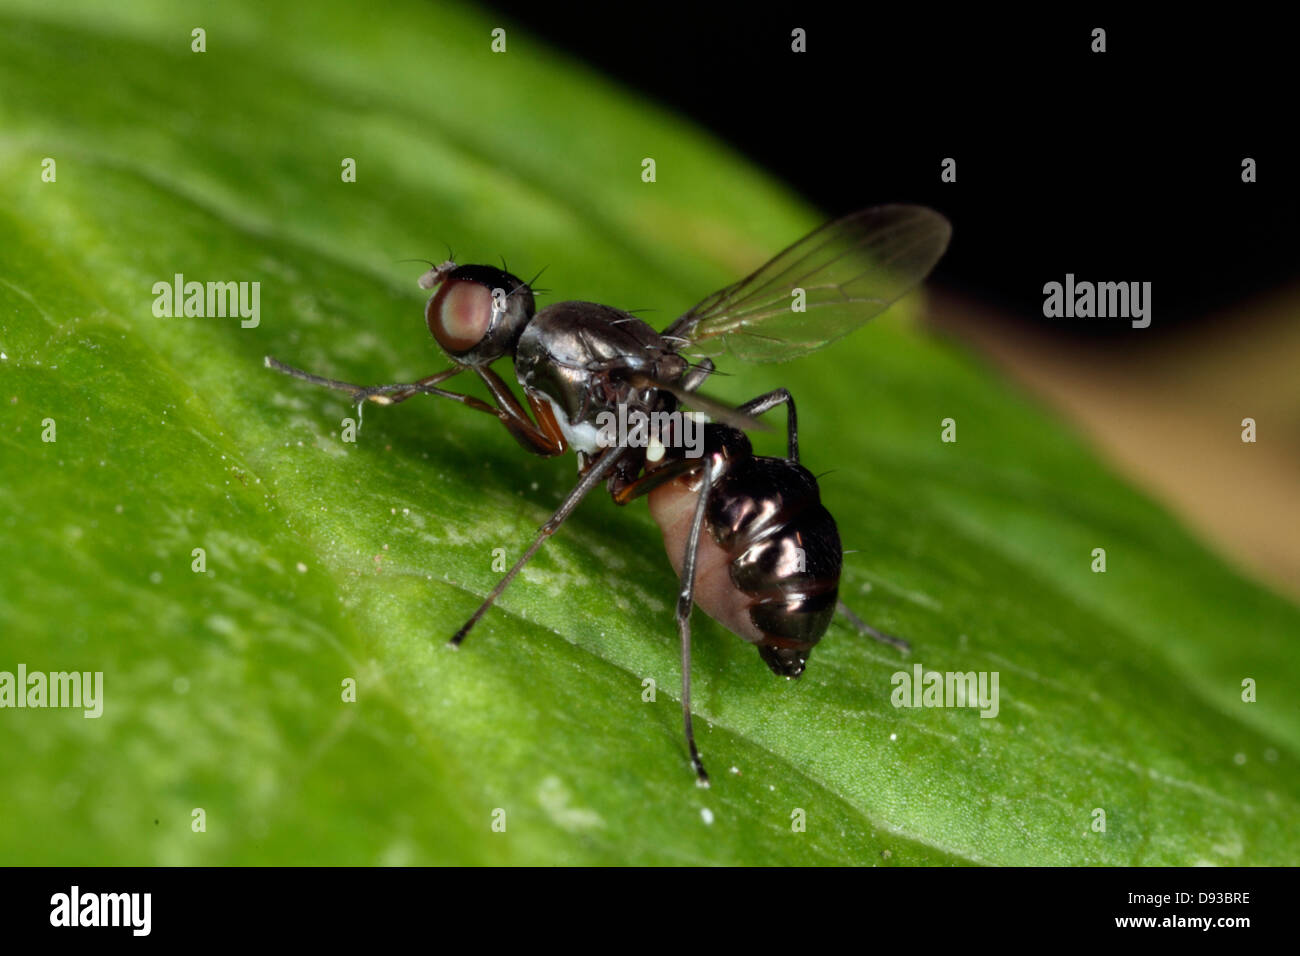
pixel 781 545
pixel 747 534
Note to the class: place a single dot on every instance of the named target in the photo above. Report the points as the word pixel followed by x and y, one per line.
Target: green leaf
pixel 325 561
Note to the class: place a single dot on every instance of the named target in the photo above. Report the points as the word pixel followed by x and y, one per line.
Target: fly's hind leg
pixel 863 627
pixel 685 602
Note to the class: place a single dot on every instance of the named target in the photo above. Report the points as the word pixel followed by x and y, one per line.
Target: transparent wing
pixel 849 270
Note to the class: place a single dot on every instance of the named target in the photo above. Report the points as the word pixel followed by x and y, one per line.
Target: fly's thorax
pixel 588 361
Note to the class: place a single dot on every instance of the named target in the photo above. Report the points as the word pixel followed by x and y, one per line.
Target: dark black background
pixel 1122 166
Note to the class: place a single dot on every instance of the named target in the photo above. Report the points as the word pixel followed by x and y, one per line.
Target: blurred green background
pixel 327 561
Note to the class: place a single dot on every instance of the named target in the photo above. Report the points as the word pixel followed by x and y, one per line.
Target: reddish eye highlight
pixel 459 314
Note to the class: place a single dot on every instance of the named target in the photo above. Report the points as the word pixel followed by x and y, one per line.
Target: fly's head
pixel 477 313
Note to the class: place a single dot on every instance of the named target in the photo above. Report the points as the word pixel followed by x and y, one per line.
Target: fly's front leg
pixel 543 438
pixel 533 438
pixel 379 394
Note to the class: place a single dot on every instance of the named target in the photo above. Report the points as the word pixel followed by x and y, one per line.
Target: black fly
pixel 604 383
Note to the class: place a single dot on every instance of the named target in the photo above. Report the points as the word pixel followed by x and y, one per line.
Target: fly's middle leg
pixel 598 472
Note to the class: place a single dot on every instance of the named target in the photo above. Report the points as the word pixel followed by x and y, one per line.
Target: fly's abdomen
pixel 785 556
pixel 768 564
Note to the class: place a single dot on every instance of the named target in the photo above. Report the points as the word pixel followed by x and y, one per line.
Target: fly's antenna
pixel 437 271
pixel 451 257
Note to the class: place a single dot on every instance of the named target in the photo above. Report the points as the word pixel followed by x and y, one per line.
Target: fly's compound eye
pixel 478 313
pixel 460 313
